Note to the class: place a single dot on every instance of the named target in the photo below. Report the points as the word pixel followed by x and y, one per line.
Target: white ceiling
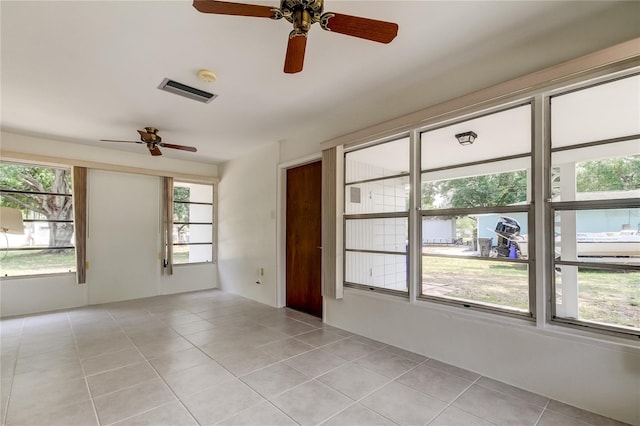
pixel 81 71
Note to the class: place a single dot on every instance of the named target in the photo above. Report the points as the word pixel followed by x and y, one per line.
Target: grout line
pixel 159 376
pixel 542 412
pixel 84 376
pixel 3 420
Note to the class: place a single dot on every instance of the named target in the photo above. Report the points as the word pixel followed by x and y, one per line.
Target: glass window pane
pixel 386 159
pixel 596 113
pixel 597 295
pixel 602 235
pixel 493 283
pixel 196 193
pixel 597 173
pixel 485 235
pixel 386 195
pixel 192 233
pixel 376 270
pixel 192 213
pixel 500 134
pixel 377 234
pixel 492 189
pixel 192 253
pixel 30 262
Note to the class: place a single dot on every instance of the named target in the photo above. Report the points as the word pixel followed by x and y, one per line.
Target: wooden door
pixel 304 255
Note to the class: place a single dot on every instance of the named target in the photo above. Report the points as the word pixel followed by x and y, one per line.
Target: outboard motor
pixel 506 229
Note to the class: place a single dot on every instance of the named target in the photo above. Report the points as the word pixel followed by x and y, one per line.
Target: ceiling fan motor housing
pixel 291 8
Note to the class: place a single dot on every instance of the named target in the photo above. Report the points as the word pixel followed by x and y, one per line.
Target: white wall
pixel 39 294
pixel 247 225
pixel 594 375
pixel 123 235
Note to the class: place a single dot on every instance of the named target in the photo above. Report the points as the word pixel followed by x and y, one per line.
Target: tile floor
pixel 206 358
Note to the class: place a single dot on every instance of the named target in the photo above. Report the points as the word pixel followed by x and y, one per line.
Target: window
pixel 476 213
pixel 459 227
pixel 376 220
pixel 595 205
pixel 192 223
pixel 43 195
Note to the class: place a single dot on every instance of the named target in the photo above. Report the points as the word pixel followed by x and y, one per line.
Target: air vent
pixel 187 91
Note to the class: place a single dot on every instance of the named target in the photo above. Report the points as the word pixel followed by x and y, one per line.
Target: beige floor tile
pixel 315 363
pixel 114 380
pixel 181 360
pixel 403 405
pixel 434 382
pixel 451 369
pixel 56 374
pixel 549 418
pixel 111 361
pixel 29 402
pixel 319 337
pixel 405 354
pixel 311 403
pixel 132 401
pixel 275 379
pixel 582 415
pixel 293 327
pixel 172 414
pixel 349 349
pixel 150 336
pixel 79 414
pixel 353 381
pixel 221 401
pixel 283 349
pixel 192 327
pixel 357 415
pixel 246 361
pixel 165 346
pixel 197 379
pixel 386 363
pixel 497 407
pixel 495 385
pixel 104 346
pixel 263 414
pixel 453 416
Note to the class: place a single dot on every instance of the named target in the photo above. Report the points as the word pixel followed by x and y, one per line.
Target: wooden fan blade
pixel 182 147
pixel 229 8
pixel 294 60
pixel 111 140
pixel 355 26
pixel 154 150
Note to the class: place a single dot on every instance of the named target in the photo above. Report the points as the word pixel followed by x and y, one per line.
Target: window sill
pixel 47 275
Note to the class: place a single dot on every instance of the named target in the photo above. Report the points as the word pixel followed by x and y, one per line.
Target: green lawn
pixel 610 297
pixel 39 261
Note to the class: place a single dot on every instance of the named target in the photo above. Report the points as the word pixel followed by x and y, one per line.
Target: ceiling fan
pixel 302 14
pixel 150 137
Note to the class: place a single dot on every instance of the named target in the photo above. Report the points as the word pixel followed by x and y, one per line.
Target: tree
pixel 476 191
pixel 40 184
pixel 612 174
pixel 181 210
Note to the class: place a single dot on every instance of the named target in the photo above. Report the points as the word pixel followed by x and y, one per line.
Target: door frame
pixel 281 227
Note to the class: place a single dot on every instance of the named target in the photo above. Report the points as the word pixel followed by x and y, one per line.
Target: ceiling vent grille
pixel 176 88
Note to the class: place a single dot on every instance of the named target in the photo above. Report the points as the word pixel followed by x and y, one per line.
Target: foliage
pixel 180 210
pixel 476 191
pixel 613 174
pixel 46 181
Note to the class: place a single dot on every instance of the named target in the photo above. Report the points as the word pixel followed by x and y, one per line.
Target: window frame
pixel 212 204
pixel 540 209
pixel 69 170
pixel 380 215
pixel 553 207
pixel 524 208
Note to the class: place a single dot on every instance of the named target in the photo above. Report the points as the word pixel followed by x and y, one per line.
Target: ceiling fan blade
pixel 154 150
pixel 111 140
pixel 182 147
pixel 294 60
pixel 229 8
pixel 369 29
